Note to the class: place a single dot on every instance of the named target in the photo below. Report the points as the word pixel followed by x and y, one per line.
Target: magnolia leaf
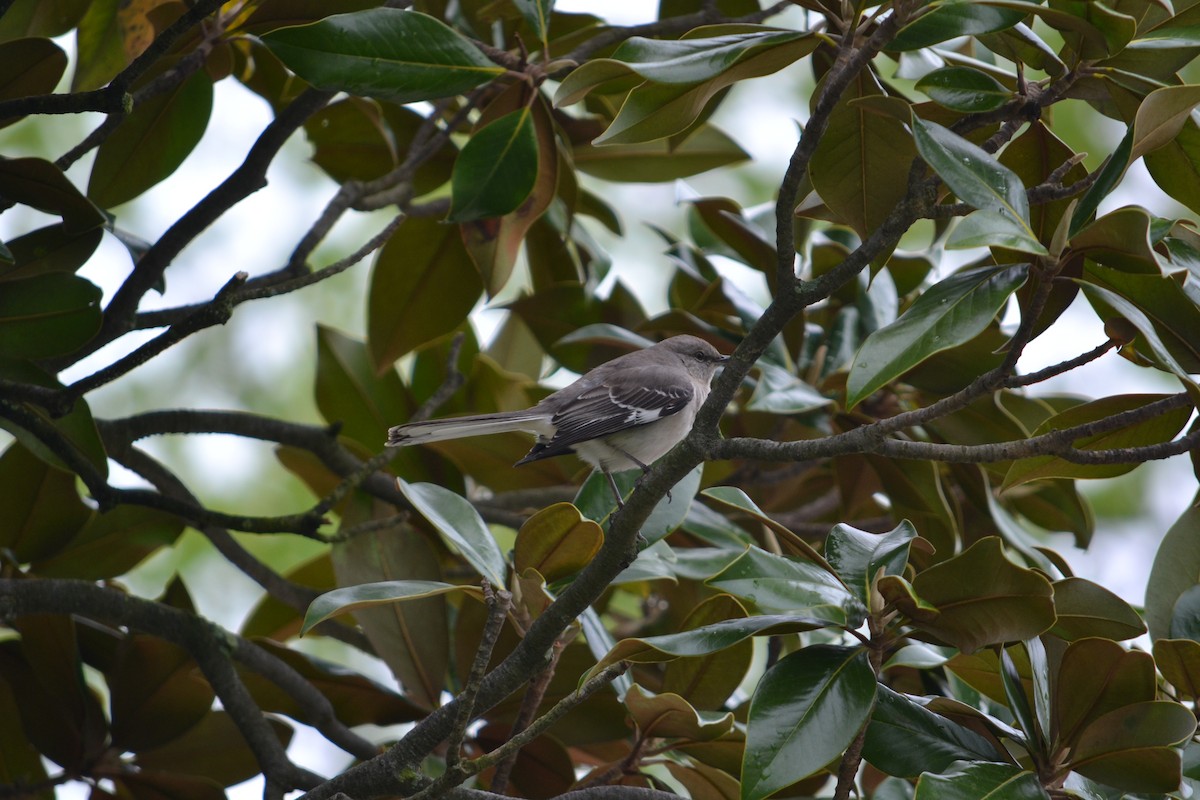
pixel 366 595
pixel 948 314
pixel 403 56
pixel 805 711
pixel 460 525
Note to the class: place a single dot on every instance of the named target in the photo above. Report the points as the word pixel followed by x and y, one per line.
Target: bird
pixel 624 414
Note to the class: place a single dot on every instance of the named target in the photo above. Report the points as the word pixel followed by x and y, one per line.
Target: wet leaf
pixel 805 711
pixel 964 89
pixel 948 314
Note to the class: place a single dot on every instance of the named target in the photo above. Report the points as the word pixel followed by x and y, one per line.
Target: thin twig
pixel 530 703
pixel 499 603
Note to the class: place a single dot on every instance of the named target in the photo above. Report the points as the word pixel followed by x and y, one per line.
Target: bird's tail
pixel 439 430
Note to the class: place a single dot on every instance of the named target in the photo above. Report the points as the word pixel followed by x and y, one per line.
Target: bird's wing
pixel 612 406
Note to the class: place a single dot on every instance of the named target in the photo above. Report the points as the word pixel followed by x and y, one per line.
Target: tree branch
pixel 207 643
pixel 249 177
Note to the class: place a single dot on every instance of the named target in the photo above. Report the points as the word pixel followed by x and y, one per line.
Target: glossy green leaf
pixel 804 713
pixel 1146 328
pixel 904 738
pixel 976 598
pixel 964 89
pixel 538 14
pixel 1175 570
pixel 1019 701
pixel 557 541
pixel 366 595
pixel 706 682
pixel 595 501
pixel 981 781
pixel 1119 240
pixel 1185 617
pixel 413 637
pixel 21 762
pixel 151 142
pixel 1087 609
pixel 775 583
pixel 734 499
pixel 600 642
pixel 703 782
pixel 683 76
pixel 859 556
pixel 1091 30
pixel 1174 314
pixel 38 18
pixel 704 640
pixel 946 315
pixel 1136 747
pixel 422 285
pixel 1110 175
pixel 402 56
pixel 653 162
pixel 917 656
pixel 47 315
pixel 949 20
pixel 494 245
pixel 1155 430
pixel 976 177
pixel 59 712
pixel 460 525
pixel 684 61
pixel 496 170
pixel 993 229
pixel 37 183
pixel 40 506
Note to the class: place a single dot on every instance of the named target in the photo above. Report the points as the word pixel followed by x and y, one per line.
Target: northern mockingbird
pixel 623 414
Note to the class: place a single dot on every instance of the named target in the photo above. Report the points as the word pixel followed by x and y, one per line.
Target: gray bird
pixel 624 414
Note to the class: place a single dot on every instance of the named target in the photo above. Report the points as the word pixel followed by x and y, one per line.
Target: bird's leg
pixel 645 469
pixel 616 492
pixel 641 540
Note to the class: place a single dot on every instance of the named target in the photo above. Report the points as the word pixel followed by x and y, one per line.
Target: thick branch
pixel 208 644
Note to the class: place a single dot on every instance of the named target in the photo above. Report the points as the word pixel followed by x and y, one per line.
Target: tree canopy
pixel 841 583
